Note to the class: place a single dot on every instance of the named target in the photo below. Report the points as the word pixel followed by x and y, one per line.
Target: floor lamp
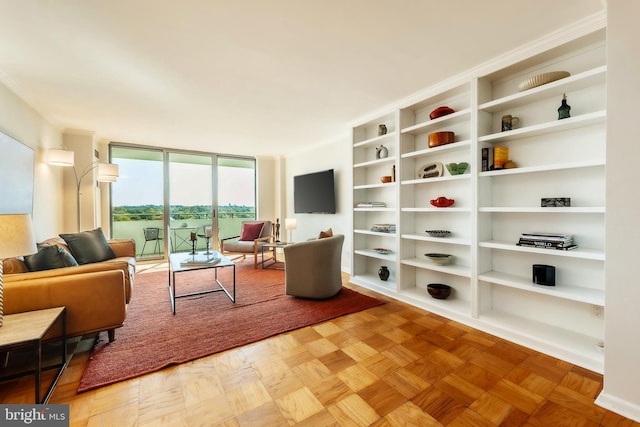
pixel 16 239
pixel 107 172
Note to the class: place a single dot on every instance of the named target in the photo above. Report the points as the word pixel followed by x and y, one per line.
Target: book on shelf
pixel 546 243
pixel 561 248
pixel 547 236
pixel 200 259
pixel 371 205
pixel 487 159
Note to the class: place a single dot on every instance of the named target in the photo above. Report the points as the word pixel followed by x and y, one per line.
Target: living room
pixel 54 208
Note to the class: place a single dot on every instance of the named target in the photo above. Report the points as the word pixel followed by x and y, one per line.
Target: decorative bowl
pixel 382 251
pixel 442 202
pixel 439 259
pixel 542 79
pixel 385 179
pixel 438 233
pixel 437 139
pixel 440 111
pixel 457 168
pixel 439 290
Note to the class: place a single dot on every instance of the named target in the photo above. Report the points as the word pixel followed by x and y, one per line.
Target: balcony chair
pixel 151 234
pixel 251 238
pixel 313 268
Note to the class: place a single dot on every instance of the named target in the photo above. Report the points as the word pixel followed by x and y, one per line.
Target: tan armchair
pixel 234 246
pixel 313 268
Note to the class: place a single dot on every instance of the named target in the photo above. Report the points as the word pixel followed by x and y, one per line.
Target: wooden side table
pixel 26 331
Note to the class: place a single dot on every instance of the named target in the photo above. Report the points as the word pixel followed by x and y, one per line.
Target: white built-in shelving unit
pixel 491 275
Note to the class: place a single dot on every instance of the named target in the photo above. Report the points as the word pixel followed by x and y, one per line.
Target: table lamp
pixel 16 238
pixel 290 224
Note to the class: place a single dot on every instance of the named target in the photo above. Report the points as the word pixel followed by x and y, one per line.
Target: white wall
pixel 20 121
pixel 621 391
pixel 337 156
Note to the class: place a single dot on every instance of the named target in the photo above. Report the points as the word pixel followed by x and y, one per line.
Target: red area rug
pixel 153 338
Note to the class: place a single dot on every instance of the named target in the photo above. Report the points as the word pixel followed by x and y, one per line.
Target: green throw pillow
pixel 48 258
pixel 89 246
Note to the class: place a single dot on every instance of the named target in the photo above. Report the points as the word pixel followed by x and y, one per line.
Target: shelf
pixel 451 307
pixel 375 162
pixel 446 240
pixel 544 168
pixel 374 209
pixel 372 254
pixel 373 282
pixel 582 120
pixel 558 342
pixel 453 118
pixel 573 293
pixel 457 145
pixel 456 270
pixel 374 141
pixel 436 179
pixel 380 185
pixel 450 210
pixel 373 233
pixel 582 253
pixel 551 210
pixel 558 88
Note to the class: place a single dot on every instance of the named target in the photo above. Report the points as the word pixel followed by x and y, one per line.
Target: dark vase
pixel 383 273
pixel 564 111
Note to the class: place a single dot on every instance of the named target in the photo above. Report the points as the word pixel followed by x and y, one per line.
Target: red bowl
pixel 440 111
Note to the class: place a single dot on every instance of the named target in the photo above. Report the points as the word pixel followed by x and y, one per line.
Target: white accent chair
pixel 313 268
pixel 234 246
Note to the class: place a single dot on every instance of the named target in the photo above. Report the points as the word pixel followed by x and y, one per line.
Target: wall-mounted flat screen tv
pixel 314 193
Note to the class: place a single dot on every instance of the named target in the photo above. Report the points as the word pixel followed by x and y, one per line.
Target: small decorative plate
pixel 542 79
pixel 431 170
pixel 382 251
pixel 438 233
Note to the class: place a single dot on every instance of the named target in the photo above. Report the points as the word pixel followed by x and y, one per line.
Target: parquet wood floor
pixel 393 365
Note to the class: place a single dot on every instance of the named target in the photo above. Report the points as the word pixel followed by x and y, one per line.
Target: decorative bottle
pixel 383 273
pixel 564 109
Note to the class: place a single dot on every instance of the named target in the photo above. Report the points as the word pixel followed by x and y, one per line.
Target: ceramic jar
pixel 384 273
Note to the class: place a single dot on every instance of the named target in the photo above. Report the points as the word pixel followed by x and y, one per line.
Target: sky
pixel 140 183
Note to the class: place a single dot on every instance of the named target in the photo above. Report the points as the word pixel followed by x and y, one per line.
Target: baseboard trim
pixel 619 406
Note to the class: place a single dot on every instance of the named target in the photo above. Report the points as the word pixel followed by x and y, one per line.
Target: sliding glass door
pixel 165 198
pixel 190 201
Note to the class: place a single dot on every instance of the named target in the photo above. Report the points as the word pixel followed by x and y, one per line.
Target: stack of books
pixel 559 241
pixel 384 228
pixel 371 205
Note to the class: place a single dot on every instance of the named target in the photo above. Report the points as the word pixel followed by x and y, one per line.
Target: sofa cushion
pixel 251 231
pixel 48 258
pixel 89 246
pixel 14 266
pixel 324 234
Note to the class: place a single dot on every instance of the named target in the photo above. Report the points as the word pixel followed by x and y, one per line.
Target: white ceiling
pixel 250 77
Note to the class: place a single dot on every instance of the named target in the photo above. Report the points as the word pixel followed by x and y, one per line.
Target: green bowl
pixel 457 168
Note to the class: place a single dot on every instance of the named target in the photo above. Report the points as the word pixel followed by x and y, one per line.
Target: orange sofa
pixel 95 295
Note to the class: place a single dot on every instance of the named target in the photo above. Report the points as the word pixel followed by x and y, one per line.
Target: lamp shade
pixel 16 236
pixel 59 157
pixel 290 223
pixel 108 172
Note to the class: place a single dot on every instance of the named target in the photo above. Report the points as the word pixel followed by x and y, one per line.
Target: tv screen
pixel 314 193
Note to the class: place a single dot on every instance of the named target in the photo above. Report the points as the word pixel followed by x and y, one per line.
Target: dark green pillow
pixel 89 246
pixel 48 258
